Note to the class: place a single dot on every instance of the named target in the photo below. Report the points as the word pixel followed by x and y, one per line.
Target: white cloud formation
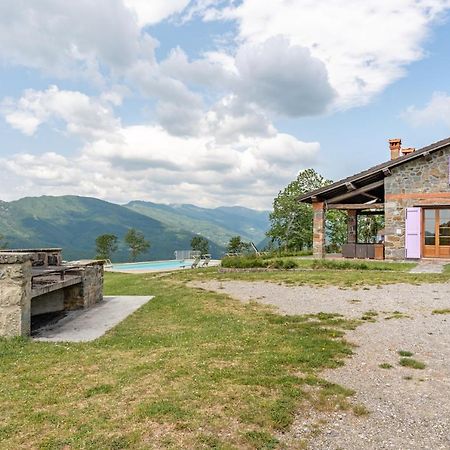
pixel 365 45
pixel 147 162
pixel 273 76
pixel 68 38
pixel 282 78
pixel 153 11
pixel 83 116
pixel 436 111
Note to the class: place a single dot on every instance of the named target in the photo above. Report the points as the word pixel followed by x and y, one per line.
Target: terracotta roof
pixel 370 175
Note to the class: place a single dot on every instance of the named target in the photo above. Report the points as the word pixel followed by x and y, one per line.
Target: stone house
pixel 412 190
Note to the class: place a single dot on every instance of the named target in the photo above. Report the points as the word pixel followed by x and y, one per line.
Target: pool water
pixel 152 265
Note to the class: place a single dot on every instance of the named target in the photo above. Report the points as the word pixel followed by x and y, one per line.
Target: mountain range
pixel 73 223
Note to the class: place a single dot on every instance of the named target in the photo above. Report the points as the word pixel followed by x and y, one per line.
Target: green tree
pixel 336 226
pixel 105 246
pixel 200 244
pixel 368 227
pixel 292 221
pixel 237 245
pixel 136 242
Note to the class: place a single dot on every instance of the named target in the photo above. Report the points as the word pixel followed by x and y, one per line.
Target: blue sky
pixel 213 102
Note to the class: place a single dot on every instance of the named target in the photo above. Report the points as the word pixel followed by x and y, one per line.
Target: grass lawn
pixel 348 275
pixel 191 369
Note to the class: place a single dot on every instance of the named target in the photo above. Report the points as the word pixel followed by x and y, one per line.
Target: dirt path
pixel 408 408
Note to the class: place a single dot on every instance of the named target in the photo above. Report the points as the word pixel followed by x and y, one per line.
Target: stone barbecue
pixel 34 282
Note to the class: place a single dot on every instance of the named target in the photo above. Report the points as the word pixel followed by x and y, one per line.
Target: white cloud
pixel 230 120
pixel 146 162
pixel 269 77
pixel 69 38
pixel 83 116
pixel 365 46
pixel 436 111
pixel 283 78
pixel 153 11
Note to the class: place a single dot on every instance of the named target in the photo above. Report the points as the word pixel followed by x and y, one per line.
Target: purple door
pixel 412 233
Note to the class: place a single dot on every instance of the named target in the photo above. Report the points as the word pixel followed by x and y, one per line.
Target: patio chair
pixel 196 262
pixel 206 260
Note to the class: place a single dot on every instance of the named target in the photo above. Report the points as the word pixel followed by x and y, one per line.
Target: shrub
pixel 290 264
pixel 244 262
pixel 253 261
pixel 279 253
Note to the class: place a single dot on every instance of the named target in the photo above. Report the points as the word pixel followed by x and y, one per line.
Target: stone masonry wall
pixel 15 294
pixel 318 229
pixel 90 291
pixel 421 182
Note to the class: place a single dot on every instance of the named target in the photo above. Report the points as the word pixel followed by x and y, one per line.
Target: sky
pixel 213 102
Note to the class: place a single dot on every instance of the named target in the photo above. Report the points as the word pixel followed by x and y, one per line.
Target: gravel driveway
pixel 408 408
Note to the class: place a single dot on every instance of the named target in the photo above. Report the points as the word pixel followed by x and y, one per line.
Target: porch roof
pixel 368 183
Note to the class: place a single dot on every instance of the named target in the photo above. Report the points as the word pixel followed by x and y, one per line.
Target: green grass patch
pixel 100 389
pixel 385 366
pixel 396 315
pixel 412 363
pixel 318 277
pixel 360 410
pixel 405 353
pixel 332 264
pixel 190 369
pixel 441 311
pixel 369 316
pixel 261 440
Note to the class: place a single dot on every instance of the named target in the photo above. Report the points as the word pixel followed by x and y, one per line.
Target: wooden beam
pixel 371 213
pixel 373 197
pixel 358 191
pixel 355 206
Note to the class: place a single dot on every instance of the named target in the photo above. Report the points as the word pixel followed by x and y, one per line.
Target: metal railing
pixel 186 254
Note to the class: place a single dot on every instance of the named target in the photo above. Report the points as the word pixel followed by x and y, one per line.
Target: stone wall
pixel 421 182
pixel 15 294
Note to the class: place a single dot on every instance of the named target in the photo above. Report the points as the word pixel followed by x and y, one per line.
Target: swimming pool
pixel 152 265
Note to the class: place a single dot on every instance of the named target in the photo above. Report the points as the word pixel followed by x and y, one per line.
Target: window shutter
pixel 412 233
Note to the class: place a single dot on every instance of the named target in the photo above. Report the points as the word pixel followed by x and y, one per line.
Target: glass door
pixel 444 233
pixel 429 233
pixel 436 232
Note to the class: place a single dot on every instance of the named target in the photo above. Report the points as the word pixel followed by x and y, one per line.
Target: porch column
pixel 319 230
pixel 352 223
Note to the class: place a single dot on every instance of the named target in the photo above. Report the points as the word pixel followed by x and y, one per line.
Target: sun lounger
pixel 207 259
pixel 196 262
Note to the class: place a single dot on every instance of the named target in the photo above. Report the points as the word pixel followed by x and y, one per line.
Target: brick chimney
pixel 395 146
pixel 407 151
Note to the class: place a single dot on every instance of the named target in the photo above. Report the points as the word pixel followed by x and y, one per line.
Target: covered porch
pixel 357 198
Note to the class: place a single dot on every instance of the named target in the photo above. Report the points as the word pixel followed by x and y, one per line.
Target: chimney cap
pixel 395 141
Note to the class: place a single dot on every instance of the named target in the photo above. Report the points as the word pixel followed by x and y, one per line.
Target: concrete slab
pixel 429 266
pixel 89 324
